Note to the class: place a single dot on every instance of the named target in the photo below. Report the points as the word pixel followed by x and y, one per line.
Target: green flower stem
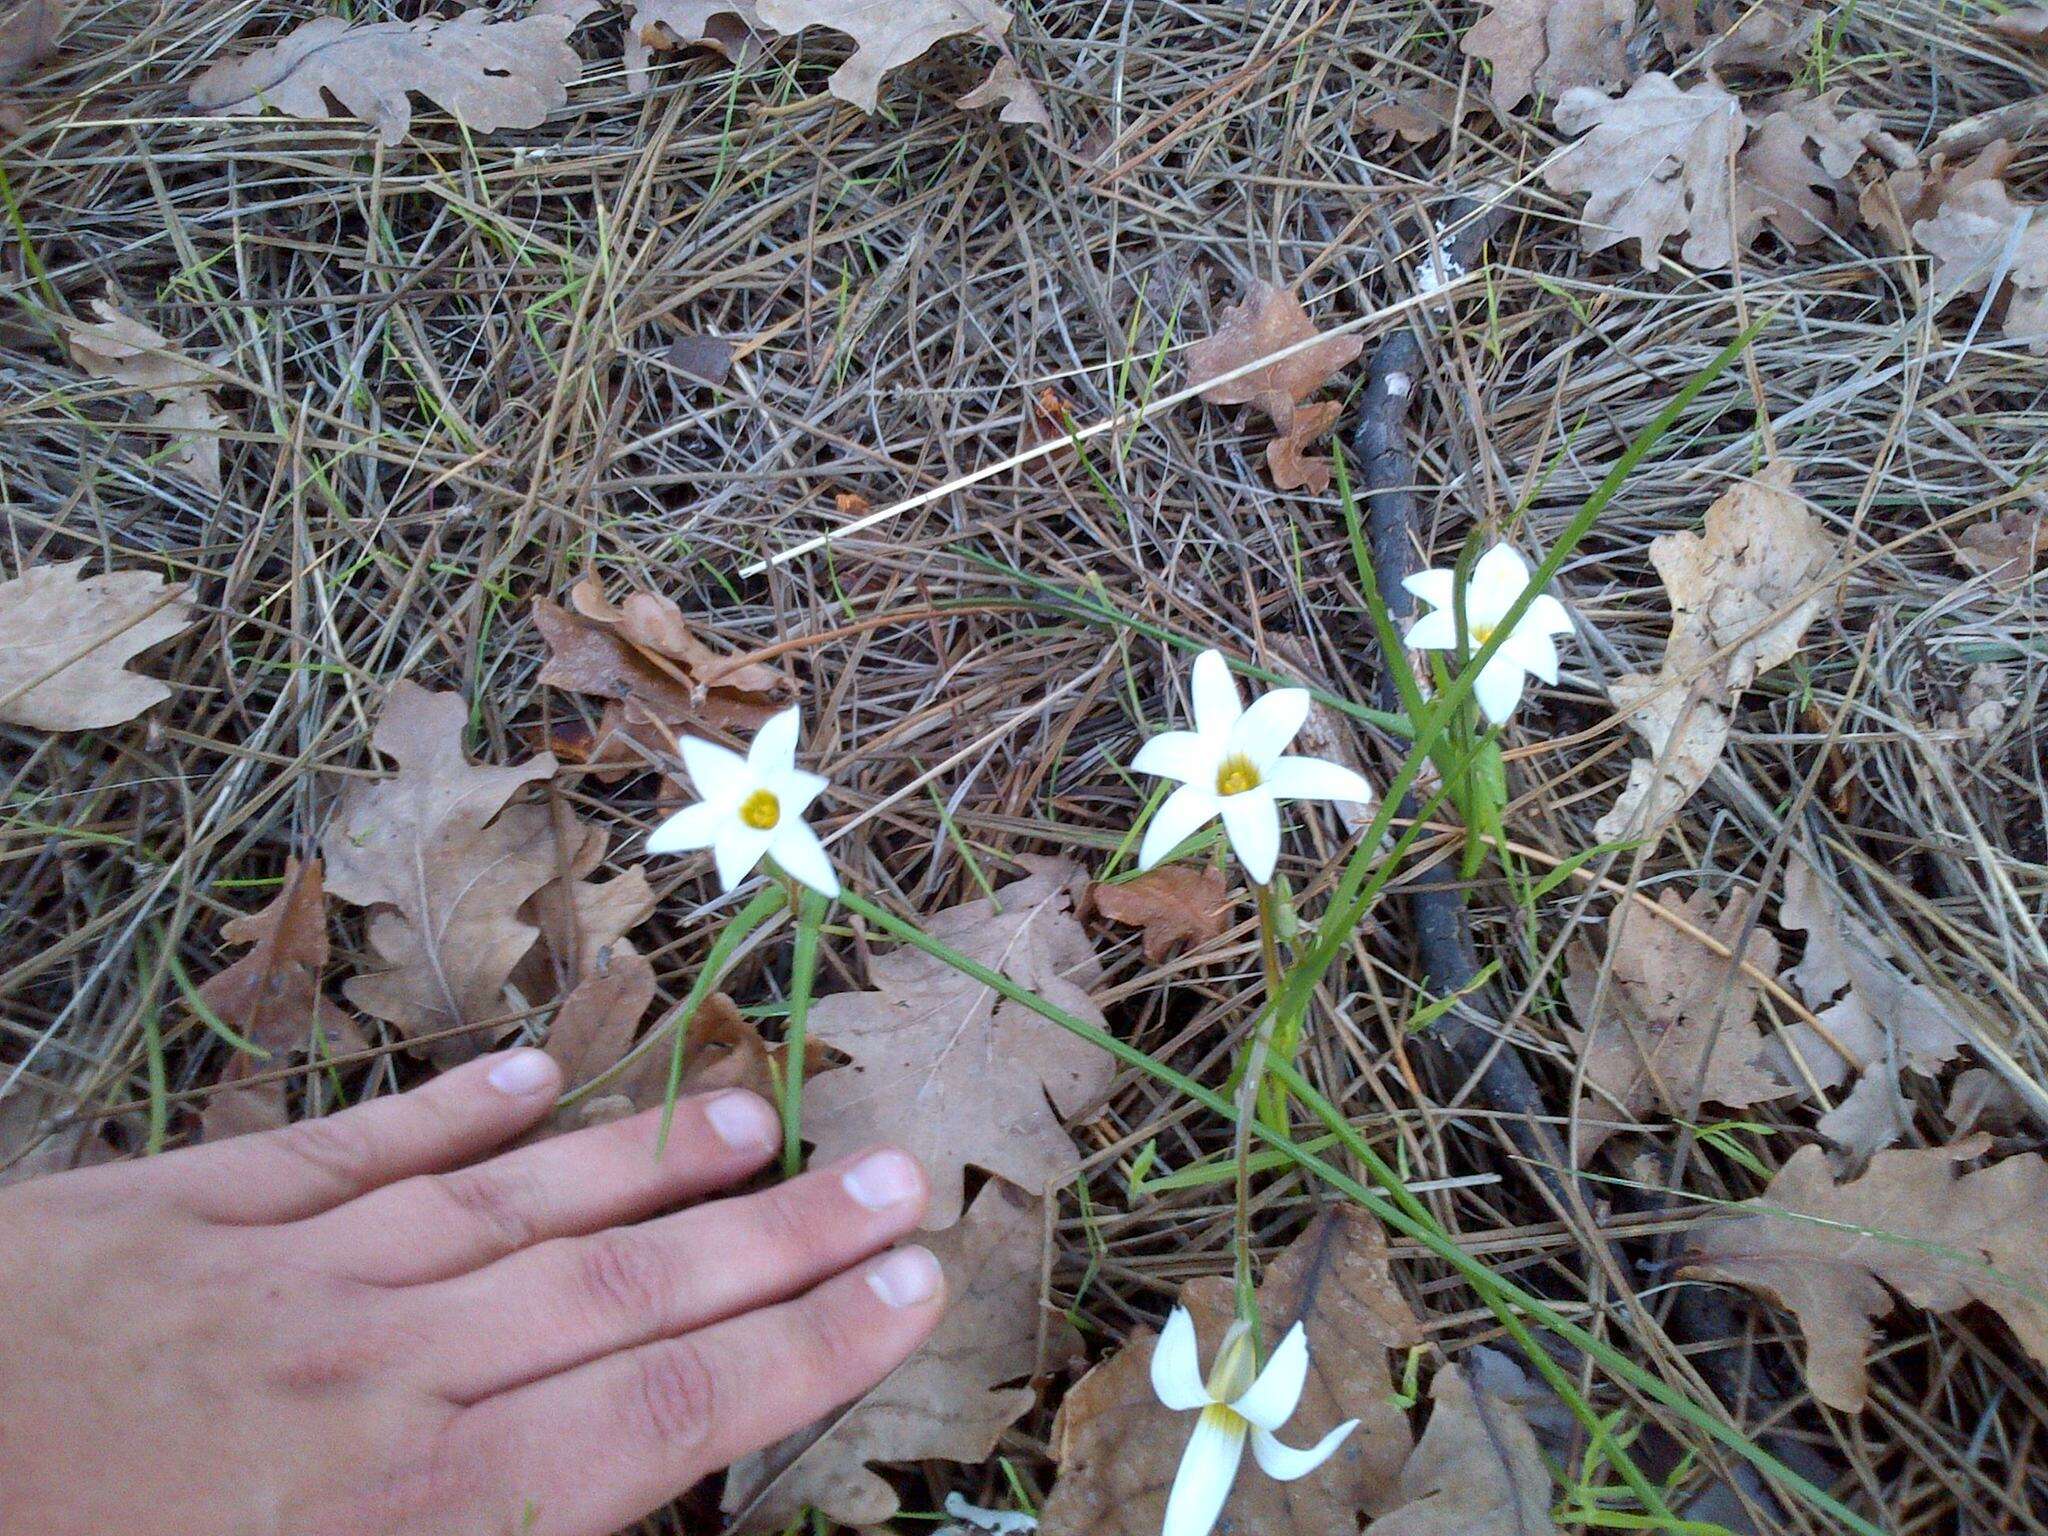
pixel 810 909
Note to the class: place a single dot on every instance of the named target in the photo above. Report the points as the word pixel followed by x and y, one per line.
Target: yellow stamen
pixel 1236 1366
pixel 1481 633
pixel 761 810
pixel 1236 776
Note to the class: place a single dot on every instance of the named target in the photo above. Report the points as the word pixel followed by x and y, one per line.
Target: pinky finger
pixel 596 1448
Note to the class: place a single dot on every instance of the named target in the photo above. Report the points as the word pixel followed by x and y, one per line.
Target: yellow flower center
pixel 1235 1369
pixel 1236 776
pixel 1481 633
pixel 761 810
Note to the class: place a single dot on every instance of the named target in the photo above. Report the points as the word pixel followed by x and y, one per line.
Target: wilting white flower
pixel 1233 1406
pixel 1231 765
pixel 752 805
pixel 1498 581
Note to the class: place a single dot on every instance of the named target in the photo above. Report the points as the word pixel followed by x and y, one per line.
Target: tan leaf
pixel 1553 46
pixel 2026 25
pixel 239 1108
pixel 1654 165
pixel 28 35
pixel 596 1023
pixel 1833 1254
pixel 1118 1447
pixel 947 1402
pixel 1979 237
pixel 1269 319
pixel 271 996
pixel 1982 1098
pixel 1676 1026
pixel 1414 117
pixel 729 27
pixel 1477 1471
pixel 886 33
pixel 446 865
pixel 1892 206
pixel 945 1070
pixel 1019 96
pixel 137 356
pixel 1768 33
pixel 2007 549
pixel 1795 167
pixel 721 1049
pixel 66 640
pixel 1174 904
pixel 579 919
pixel 1740 605
pixel 1883 1020
pixel 486 74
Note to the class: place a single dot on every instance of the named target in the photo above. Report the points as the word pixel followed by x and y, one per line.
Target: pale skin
pixel 383 1323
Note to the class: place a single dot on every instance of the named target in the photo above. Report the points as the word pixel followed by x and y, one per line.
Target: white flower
pixel 1498 581
pixel 1231 765
pixel 1233 1406
pixel 752 805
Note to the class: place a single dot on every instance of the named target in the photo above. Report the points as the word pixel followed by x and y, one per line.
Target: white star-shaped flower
pixel 752 805
pixel 1232 765
pixel 1234 1407
pixel 1498 580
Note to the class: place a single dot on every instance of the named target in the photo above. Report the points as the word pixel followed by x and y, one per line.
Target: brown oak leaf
pixel 446 865
pixel 486 74
pixel 2026 25
pixel 1553 46
pixel 949 1071
pixel 1174 904
pixel 1654 166
pixel 949 1401
pixel 1477 1471
pixel 1981 240
pixel 136 356
pixel 1840 1256
pixel 66 640
pixel 1676 1023
pixel 271 996
pixel 1795 167
pixel 886 33
pixel 29 31
pixel 1006 84
pixel 729 27
pixel 1757 33
pixel 2007 549
pixel 1118 1447
pixel 1268 320
pixel 241 1108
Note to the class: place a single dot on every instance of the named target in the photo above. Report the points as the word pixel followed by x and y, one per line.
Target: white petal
pixel 717 773
pixel 1207 1469
pixel 1253 821
pixel 795 790
pixel 1431 587
pixel 1499 687
pixel 1176 1366
pixel 1534 652
pixel 1283 1463
pixel 693 827
pixel 737 851
pixel 797 849
pixel 774 747
pixel 1547 614
pixel 1311 778
pixel 1437 631
pixel 1497 580
pixel 1184 755
pixel 1270 1401
pixel 1263 732
pixel 1217 705
pixel 1185 812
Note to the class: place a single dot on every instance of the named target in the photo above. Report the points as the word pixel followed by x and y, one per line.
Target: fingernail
pixel 906 1277
pixel 743 1122
pixel 883 1180
pixel 524 1073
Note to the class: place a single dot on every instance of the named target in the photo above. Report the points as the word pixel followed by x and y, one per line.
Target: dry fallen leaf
pixel 1019 96
pixel 885 34
pixel 580 920
pixel 1477 1471
pixel 271 996
pixel 1414 117
pixel 1795 167
pixel 446 864
pixel 1884 1020
pixel 729 27
pixel 597 1021
pixel 486 74
pixel 136 356
pixel 1766 33
pixel 1271 318
pixel 1982 240
pixel 1739 587
pixel 1980 1099
pixel 2007 549
pixel 948 1401
pixel 65 641
pixel 1118 1447
pixel 28 35
pixel 1553 46
pixel 1654 164
pixel 1833 1254
pixel 239 1108
pixel 951 1073
pixel 1893 205
pixel 2026 25
pixel 1676 1026
pixel 1174 904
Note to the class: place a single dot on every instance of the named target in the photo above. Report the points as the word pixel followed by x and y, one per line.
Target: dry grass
pixel 448 369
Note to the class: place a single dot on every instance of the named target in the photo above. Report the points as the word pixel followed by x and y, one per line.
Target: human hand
pixel 350 1327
